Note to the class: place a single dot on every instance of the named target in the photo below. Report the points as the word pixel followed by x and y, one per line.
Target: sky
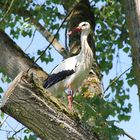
pixel 132 127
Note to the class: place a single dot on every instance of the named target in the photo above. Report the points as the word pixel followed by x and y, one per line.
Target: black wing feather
pixel 55 78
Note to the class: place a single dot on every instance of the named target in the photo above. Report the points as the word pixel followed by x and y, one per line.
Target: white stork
pixel 70 73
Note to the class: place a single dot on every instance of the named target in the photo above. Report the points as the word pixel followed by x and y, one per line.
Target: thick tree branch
pixel 26 98
pixel 13 60
pixel 50 38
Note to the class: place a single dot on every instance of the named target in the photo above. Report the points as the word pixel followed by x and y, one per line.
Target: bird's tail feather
pixel 55 78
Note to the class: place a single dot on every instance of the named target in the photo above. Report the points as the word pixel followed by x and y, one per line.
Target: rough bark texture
pixel 132 10
pixel 13 60
pixel 32 105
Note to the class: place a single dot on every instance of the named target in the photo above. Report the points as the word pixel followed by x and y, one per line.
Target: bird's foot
pixel 70 100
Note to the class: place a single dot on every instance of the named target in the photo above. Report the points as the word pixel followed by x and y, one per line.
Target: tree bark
pixel 29 103
pixel 132 11
pixel 13 60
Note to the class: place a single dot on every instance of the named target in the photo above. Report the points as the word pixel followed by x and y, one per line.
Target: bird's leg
pixel 70 98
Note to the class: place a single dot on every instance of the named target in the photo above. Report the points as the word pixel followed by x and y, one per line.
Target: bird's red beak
pixel 78 29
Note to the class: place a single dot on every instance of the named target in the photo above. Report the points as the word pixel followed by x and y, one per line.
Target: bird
pixel 69 74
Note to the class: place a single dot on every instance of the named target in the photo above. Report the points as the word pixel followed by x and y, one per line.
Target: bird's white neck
pixel 85 56
pixel 84 44
pixel 84 35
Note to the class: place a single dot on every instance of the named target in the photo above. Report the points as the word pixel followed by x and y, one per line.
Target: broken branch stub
pixel 32 105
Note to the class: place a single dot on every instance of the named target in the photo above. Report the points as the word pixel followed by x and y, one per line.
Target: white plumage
pixel 74 70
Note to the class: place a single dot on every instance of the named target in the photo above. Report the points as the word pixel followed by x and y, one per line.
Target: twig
pixel 129 136
pixel 8 10
pixel 116 79
pixel 125 133
pixel 55 34
pixel 4 121
pixel 10 126
pixel 18 131
pixel 8 131
pixel 31 41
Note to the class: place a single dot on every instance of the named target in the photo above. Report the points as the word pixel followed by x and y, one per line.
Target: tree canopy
pixel 110 40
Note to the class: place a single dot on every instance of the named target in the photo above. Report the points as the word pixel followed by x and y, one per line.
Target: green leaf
pixel 126 49
pixel 123 117
pixel 131 82
pixel 1 90
pixel 32 137
pixel 5 79
pixel 27 131
pixel 2 115
pixel 25 138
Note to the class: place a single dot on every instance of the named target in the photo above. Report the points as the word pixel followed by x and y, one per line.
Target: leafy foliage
pixel 4 79
pixel 111 37
pixel 45 58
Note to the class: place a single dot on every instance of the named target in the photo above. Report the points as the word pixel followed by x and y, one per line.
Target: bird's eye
pixel 84 25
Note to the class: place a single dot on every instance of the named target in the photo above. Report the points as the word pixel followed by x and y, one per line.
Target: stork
pixel 71 72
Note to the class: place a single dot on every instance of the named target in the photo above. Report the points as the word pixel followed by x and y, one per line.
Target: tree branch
pixel 116 79
pixel 13 60
pixel 26 98
pixel 18 131
pixel 48 36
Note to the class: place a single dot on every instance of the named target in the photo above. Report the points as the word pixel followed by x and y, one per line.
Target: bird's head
pixel 82 27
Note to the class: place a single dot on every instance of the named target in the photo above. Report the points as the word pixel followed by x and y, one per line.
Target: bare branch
pixel 116 79
pixel 129 136
pixel 31 41
pixel 53 39
pixel 49 37
pixel 1 123
pixel 125 133
pixel 18 131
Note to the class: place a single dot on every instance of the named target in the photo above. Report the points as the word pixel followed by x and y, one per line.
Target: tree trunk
pixel 26 98
pixel 132 10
